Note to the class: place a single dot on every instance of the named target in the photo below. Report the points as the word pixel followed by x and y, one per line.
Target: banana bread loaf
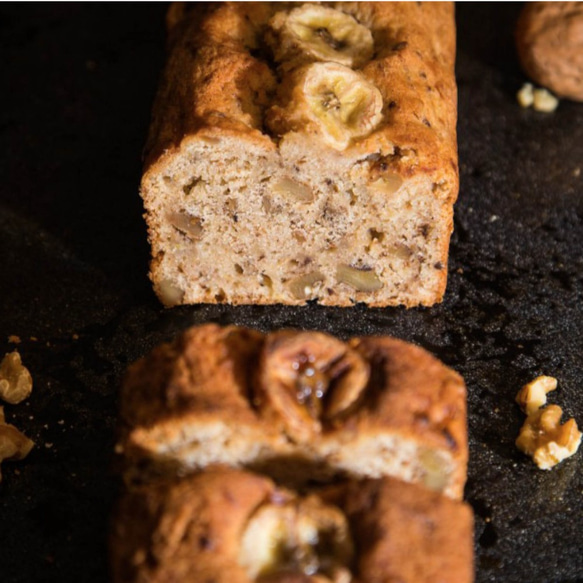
pixel 298 406
pixel 304 152
pixel 229 526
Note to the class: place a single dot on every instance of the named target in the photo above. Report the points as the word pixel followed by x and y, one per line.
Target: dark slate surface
pixel 78 81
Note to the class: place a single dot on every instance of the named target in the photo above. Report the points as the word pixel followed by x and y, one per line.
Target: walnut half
pixel 307 378
pixel 14 445
pixel 542 436
pixel 547 441
pixel 15 380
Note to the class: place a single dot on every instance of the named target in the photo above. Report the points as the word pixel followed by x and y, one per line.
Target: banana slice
pixel 321 34
pixel 300 537
pixel 342 102
pixel 309 378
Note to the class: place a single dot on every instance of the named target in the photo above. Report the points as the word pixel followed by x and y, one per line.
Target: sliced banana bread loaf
pixel 304 152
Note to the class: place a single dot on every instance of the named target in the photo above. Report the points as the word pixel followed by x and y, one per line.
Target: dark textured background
pixel 78 81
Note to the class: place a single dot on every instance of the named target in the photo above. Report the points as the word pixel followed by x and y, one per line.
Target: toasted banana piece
pixel 343 103
pixel 299 536
pixel 317 33
pixel 309 378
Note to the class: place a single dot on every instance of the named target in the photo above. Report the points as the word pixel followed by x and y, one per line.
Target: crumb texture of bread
pixel 298 406
pixel 197 528
pixel 282 169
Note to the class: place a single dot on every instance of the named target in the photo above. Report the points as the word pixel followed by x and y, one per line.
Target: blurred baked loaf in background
pixel 549 37
pixel 302 407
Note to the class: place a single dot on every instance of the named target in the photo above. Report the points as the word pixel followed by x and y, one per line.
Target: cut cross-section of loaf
pixel 230 526
pixel 304 152
pixel 299 406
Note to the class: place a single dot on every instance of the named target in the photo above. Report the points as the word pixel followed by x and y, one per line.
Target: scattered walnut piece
pixel 14 445
pixel 534 394
pixel 542 436
pixel 525 96
pixel 540 99
pixel 544 100
pixel 15 380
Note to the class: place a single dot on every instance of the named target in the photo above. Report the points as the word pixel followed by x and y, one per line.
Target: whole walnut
pixel 549 37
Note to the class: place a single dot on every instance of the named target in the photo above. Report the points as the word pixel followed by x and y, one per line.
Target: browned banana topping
pixel 310 377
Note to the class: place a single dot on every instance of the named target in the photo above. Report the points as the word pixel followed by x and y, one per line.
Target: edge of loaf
pixel 284 167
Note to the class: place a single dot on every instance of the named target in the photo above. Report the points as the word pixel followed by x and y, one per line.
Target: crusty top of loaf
pixel 205 368
pixel 220 80
pixel 410 388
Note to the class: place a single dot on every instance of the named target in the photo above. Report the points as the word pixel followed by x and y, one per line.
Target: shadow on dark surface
pixel 82 80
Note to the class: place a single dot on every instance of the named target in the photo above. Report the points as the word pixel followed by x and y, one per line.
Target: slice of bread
pixel 304 152
pixel 229 526
pixel 298 406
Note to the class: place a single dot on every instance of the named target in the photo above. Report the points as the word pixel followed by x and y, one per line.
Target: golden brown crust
pixel 191 390
pixel 549 38
pixel 203 367
pixel 211 80
pixel 190 529
pixel 201 377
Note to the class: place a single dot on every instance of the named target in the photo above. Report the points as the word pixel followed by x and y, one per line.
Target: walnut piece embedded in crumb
pixel 14 445
pixel 542 436
pixel 15 380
